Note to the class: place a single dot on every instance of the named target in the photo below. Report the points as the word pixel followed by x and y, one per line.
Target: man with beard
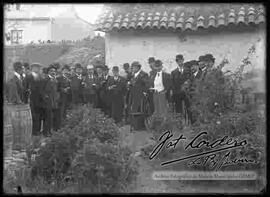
pixel 65 94
pixel 138 89
pixel 50 97
pixel 116 86
pixel 76 85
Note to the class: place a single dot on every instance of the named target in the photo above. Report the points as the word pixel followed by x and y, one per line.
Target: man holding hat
pixel 116 87
pixel 179 77
pixel 50 95
pixel 65 93
pixel 161 86
pixel 90 82
pixel 15 85
pixel 138 88
pixel 76 85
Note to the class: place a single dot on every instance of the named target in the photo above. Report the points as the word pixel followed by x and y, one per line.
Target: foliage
pixel 86 129
pixel 104 167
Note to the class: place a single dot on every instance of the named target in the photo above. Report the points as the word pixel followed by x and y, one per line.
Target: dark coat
pixel 64 89
pixel 104 93
pixel 178 79
pixel 50 93
pixel 76 86
pixel 139 86
pixel 15 90
pixel 116 95
pixel 34 85
pixel 89 87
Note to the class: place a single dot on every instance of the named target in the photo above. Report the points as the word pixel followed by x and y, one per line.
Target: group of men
pixel 52 90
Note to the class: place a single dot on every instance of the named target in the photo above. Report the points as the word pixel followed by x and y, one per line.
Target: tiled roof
pixel 180 21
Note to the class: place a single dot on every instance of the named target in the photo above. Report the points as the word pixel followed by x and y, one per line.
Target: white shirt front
pixel 137 73
pixel 180 69
pixel 195 74
pixel 17 75
pixel 158 83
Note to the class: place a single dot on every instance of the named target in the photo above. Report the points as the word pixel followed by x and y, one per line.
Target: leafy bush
pixel 85 127
pixel 104 167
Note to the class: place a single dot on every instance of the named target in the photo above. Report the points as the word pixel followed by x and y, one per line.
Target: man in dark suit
pixel 34 86
pixel 26 73
pixel 50 97
pixel 128 77
pixel 76 85
pixel 116 86
pixel 138 88
pixel 179 77
pixel 161 85
pixel 65 93
pixel 151 62
pixel 15 85
pixel 104 94
pixel 90 82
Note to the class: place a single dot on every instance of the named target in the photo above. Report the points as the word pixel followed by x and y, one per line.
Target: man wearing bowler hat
pixel 128 77
pixel 179 77
pixel 104 94
pixel 161 86
pixel 116 87
pixel 50 95
pixel 138 88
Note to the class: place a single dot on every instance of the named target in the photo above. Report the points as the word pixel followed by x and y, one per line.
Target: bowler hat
pixel 151 59
pixel 136 64
pixel 66 67
pixel 126 65
pixel 115 68
pixel 26 65
pixel 209 57
pixel 179 57
pixel 17 66
pixel 202 58
pixel 51 66
pixel 158 64
pixel 78 65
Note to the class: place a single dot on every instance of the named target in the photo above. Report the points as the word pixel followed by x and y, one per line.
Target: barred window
pixel 16 36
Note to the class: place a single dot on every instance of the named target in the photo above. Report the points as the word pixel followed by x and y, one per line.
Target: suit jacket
pixel 76 87
pixel 178 79
pixel 64 88
pixel 34 86
pixel 50 93
pixel 119 90
pixel 139 86
pixel 15 90
pixel 89 88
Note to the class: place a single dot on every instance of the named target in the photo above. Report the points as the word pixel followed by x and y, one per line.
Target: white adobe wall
pixel 130 46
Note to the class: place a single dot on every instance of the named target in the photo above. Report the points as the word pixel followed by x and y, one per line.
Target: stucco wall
pixel 130 46
pixel 33 30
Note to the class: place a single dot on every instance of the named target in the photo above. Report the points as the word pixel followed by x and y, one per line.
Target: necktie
pixel 158 74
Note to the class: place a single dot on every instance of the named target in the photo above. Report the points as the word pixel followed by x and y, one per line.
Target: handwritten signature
pixel 211 156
